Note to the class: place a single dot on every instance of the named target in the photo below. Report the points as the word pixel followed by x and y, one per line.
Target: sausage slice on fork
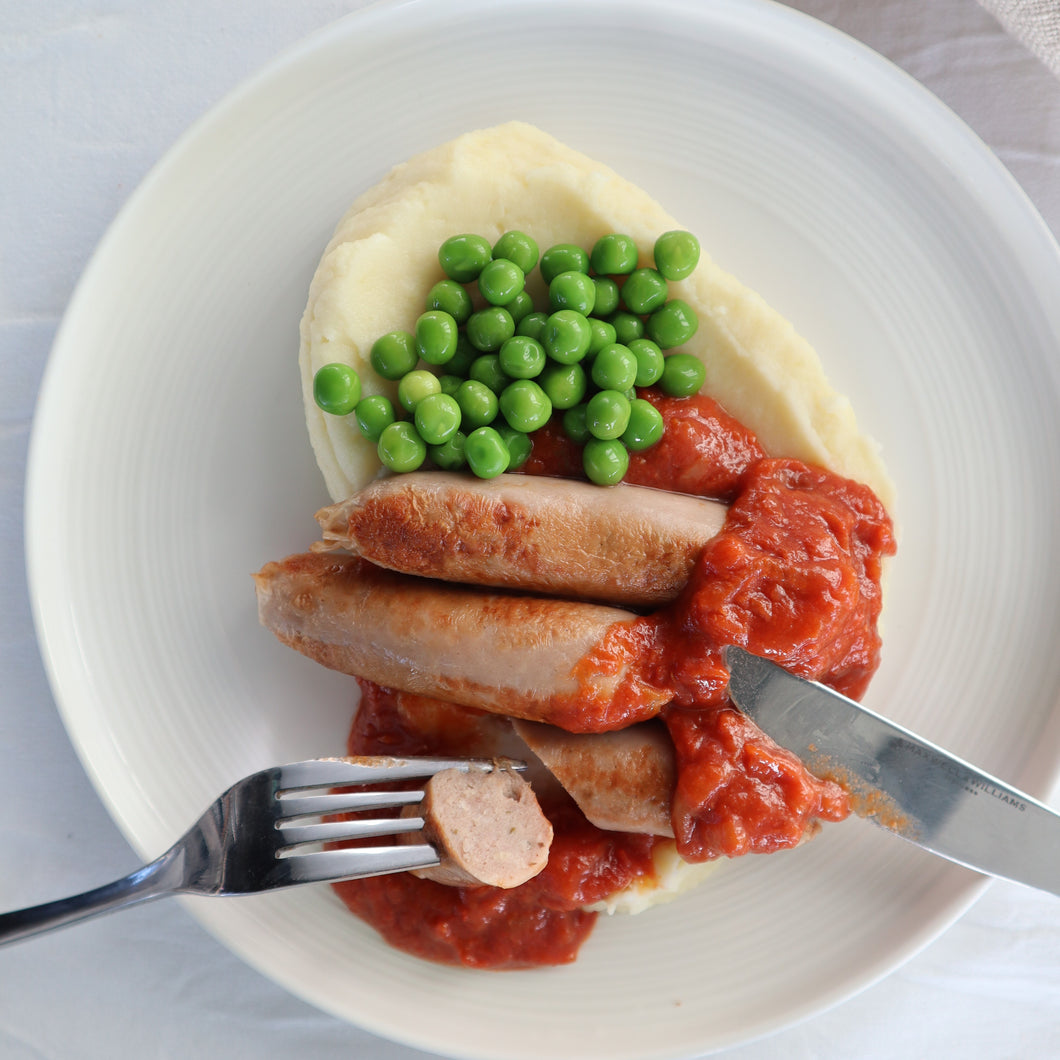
pixel 487 828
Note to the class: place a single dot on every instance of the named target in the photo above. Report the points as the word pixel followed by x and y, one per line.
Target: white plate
pixel 169 461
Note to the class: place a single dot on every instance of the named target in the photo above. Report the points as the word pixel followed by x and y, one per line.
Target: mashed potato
pixel 382 260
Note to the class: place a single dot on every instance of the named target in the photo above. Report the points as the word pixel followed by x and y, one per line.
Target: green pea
pixel 400 448
pixel 649 361
pixel 415 386
pixel 525 405
pixel 394 354
pixel 336 388
pixel 519 445
pixel 683 375
pixel 374 414
pixel 449 383
pixel 645 426
pixel 614 255
pixel 572 290
pixel 450 297
pixel 676 254
pixel 607 414
pixel 603 334
pixel 627 327
pixel 500 281
pixel 437 418
pixel 672 324
pixel 575 425
pixel 460 364
pixel 488 371
pixel 605 461
pixel 463 257
pixel 644 291
pixel 436 335
pixel 450 455
pixel 614 367
pixel 566 336
pixel 563 257
pixel 565 384
pixel 486 453
pixel 532 325
pixel 518 247
pixel 478 404
pixel 488 329
pixel 607 296
pixel 522 305
pixel 522 357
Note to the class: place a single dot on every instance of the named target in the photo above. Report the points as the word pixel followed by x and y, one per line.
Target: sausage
pixel 579 665
pixel 487 828
pixel 622 781
pixel 627 545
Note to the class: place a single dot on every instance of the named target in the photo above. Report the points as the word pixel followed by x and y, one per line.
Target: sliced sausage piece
pixel 622 781
pixel 627 545
pixel 487 828
pixel 578 665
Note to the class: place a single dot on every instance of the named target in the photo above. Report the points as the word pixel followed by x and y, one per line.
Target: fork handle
pixel 152 881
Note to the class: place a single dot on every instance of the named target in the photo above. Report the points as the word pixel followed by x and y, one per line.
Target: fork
pixel 254 838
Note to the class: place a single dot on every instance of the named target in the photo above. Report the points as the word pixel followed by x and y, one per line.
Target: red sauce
pixel 794 575
pixel 703 451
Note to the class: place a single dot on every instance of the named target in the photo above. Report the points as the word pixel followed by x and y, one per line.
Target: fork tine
pixel 335 831
pixel 335 772
pixel 347 802
pixel 330 865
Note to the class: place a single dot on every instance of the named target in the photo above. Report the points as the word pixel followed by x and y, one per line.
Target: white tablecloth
pixel 93 93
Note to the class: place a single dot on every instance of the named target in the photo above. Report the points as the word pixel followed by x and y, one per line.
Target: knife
pixel 899 780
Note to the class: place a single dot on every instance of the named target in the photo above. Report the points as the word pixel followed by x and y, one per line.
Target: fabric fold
pixel 1035 23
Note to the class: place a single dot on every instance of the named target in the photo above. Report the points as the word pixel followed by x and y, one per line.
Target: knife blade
pixel 898 780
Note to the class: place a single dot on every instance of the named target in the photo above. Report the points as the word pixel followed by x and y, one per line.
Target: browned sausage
pixel 487 828
pixel 574 664
pixel 622 781
pixel 627 545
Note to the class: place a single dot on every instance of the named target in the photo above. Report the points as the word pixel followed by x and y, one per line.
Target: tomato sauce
pixel 794 575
